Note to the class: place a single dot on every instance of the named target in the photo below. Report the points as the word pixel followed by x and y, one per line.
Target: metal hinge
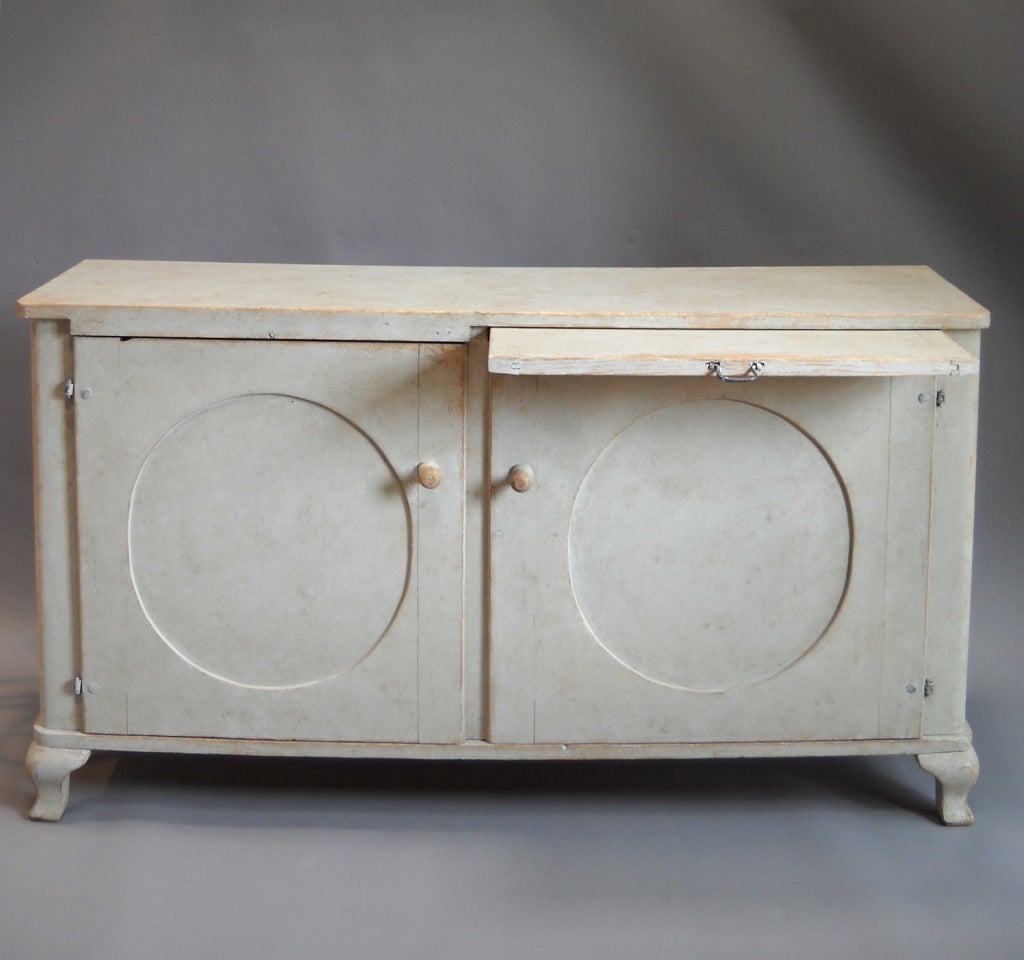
pixel 77 685
pixel 69 389
pixel 929 687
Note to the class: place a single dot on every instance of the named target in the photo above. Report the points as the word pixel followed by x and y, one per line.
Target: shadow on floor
pixel 395 794
pixel 227 790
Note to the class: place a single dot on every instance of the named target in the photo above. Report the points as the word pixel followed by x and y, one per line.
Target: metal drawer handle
pixel 753 371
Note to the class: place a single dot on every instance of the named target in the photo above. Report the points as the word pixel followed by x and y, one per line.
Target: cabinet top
pixel 167 298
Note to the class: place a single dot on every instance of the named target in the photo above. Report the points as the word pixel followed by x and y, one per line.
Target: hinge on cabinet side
pixel 940 398
pixel 77 686
pixel 69 389
pixel 929 687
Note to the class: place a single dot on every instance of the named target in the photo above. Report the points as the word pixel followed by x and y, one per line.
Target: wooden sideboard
pixel 503 513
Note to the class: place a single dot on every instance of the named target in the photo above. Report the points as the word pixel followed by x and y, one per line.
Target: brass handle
pixel 429 474
pixel 520 477
pixel 752 373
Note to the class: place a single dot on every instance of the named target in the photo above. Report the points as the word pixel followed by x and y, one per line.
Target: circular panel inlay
pixel 269 541
pixel 709 545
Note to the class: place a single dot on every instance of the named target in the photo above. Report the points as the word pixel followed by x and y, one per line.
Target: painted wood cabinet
pixel 471 513
pixel 262 550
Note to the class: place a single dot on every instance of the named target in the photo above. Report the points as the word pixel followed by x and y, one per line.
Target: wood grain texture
pixel 282 301
pixel 779 353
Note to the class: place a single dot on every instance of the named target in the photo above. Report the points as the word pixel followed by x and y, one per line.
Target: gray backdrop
pixel 587 133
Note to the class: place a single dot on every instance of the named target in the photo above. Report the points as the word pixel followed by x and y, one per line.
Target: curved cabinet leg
pixel 50 768
pixel 955 774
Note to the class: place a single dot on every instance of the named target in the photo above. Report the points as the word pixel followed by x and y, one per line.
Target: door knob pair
pixel 520 477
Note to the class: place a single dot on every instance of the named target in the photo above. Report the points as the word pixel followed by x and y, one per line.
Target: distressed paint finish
pixel 476 547
pixel 344 621
pixel 50 769
pixel 516 635
pixel 911 438
pixel 169 299
pixel 951 551
pixel 559 677
pixel 440 519
pixel 488 750
pixel 955 774
pixel 56 546
pixel 687 353
pixel 493 507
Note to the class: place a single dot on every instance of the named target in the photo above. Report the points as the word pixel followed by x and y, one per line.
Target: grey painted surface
pixel 534 133
pixel 352 575
pixel 607 563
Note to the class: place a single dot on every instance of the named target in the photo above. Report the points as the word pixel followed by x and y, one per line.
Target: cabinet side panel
pixel 440 545
pixel 949 578
pixel 56 577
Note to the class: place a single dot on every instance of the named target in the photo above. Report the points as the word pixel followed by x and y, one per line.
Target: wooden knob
pixel 520 477
pixel 429 474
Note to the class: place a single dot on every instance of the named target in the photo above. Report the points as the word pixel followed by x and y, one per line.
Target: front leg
pixel 50 768
pixel 955 774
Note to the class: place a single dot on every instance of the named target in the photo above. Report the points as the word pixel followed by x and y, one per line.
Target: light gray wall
pixel 530 133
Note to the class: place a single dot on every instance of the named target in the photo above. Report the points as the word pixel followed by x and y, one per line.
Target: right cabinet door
pixel 704 561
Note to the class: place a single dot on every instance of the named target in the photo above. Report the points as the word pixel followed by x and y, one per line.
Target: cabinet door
pixel 701 561
pixel 257 557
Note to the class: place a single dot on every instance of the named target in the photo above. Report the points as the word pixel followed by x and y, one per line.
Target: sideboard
pixel 415 512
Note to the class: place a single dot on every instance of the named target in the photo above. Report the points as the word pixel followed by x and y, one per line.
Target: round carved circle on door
pixel 269 541
pixel 710 545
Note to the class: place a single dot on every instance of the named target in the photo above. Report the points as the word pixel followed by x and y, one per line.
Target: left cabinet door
pixel 257 556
